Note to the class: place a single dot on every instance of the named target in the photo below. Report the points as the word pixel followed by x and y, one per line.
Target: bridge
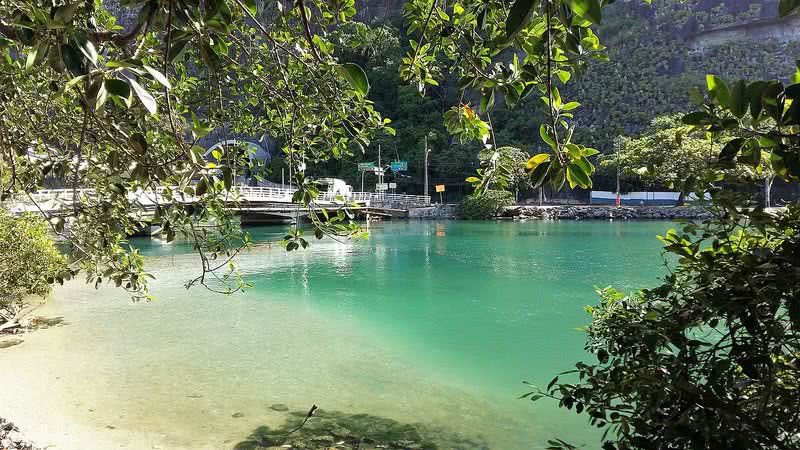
pixel 254 204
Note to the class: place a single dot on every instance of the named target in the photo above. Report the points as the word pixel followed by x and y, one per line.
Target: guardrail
pixel 378 197
pixel 246 193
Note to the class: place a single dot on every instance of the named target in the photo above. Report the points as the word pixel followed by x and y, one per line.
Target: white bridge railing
pixel 52 199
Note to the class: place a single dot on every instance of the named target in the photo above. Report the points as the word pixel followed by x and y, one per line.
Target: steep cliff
pixel 659 51
pixel 369 10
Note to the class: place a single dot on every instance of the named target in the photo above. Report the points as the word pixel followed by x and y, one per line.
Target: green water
pixel 430 323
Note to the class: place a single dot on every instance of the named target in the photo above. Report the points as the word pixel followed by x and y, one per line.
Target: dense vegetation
pixel 649 72
pixel 485 206
pixel 707 360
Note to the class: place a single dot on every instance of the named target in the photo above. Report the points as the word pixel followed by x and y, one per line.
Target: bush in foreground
pixel 31 261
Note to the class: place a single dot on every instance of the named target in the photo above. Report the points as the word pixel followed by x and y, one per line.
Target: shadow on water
pixel 339 430
pixel 10 343
pixel 43 323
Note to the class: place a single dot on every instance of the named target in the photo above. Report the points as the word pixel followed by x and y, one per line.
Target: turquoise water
pixel 425 322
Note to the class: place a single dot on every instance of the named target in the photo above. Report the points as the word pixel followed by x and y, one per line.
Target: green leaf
pixel 74 81
pixel 542 174
pixel 487 100
pixel 518 16
pixel 771 99
pixel 158 76
pixel 570 106
pixel 588 9
pixel 545 134
pixel 730 150
pixel 787 6
pixel 118 88
pixel 696 96
pixel 199 129
pixel 739 101
pixel 536 160
pixel 251 6
pixel 356 76
pixel 697 118
pixel 147 100
pixel 227 178
pixel 577 177
pixel 754 91
pixel 36 53
pixel 65 13
pixel 719 90
pixel 89 51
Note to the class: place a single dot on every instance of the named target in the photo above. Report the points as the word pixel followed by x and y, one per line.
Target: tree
pixel 30 263
pixel 508 50
pixel 120 109
pixel 671 152
pixel 508 167
pixel 665 154
pixel 709 359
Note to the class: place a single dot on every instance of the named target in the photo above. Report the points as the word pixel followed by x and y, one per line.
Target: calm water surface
pixel 435 324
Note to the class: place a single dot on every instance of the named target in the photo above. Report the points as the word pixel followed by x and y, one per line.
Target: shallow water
pixel 435 324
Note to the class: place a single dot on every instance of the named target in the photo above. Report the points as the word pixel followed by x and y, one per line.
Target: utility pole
pixel 767 190
pixel 426 166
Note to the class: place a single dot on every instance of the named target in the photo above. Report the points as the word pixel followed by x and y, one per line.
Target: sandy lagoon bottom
pixel 194 370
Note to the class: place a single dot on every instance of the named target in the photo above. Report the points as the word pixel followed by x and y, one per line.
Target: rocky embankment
pixel 435 212
pixel 11 438
pixel 567 212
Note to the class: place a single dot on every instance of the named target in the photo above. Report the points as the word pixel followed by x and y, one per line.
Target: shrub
pixel 30 262
pixel 485 206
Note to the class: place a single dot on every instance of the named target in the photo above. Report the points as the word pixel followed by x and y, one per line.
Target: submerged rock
pixel 237 415
pixel 12 439
pixel 279 407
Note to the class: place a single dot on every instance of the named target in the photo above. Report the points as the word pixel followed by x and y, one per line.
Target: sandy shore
pixel 185 373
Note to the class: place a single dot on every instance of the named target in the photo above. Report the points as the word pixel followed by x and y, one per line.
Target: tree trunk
pixel 681 197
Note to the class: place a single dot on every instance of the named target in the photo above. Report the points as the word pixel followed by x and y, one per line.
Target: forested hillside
pixel 654 61
pixel 656 54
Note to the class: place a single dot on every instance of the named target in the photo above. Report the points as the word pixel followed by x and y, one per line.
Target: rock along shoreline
pixel 570 212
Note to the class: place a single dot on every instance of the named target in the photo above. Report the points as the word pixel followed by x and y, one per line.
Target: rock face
pixel 369 10
pixel 11 438
pixel 606 212
pixel 436 212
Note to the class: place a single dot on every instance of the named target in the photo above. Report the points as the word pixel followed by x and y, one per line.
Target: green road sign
pixel 363 167
pixel 399 166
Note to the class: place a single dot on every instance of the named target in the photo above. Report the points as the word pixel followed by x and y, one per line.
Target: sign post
pixel 440 189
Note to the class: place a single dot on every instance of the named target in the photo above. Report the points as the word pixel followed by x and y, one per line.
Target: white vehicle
pixel 335 186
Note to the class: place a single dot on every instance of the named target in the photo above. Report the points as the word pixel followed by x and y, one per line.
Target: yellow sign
pixel 439 188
